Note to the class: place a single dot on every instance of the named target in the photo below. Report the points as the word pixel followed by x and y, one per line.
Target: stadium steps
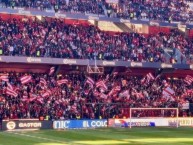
pixel 167 54
pixel 175 53
pixel 123 27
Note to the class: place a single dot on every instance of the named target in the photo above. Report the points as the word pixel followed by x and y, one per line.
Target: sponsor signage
pixel 69 61
pixel 26 124
pixel 34 60
pixel 148 121
pixel 72 124
pixel 85 62
pixel 23 12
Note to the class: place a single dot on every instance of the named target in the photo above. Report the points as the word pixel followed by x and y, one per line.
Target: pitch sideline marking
pixel 38 137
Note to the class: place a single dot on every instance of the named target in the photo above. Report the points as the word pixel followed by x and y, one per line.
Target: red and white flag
pixel 146 79
pixel 4 77
pixel 43 81
pixel 25 79
pixel 90 81
pixel 11 92
pixel 150 77
pixel 9 86
pixel 168 93
pixel 101 84
pixel 165 84
pixel 40 100
pixel 52 69
pixel 117 89
pixel 47 93
pixel 63 81
pixel 104 96
pixel 188 79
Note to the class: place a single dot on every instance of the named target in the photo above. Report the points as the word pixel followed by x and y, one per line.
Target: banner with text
pixel 72 124
pixel 186 121
pixel 26 124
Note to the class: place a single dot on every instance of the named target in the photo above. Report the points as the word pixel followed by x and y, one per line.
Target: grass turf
pixel 105 136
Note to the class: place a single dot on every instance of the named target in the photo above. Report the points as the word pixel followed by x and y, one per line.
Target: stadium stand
pixel 54 38
pixel 163 10
pixel 30 95
pixel 64 95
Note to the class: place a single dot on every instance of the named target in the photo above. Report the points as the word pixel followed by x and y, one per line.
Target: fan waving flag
pixel 90 81
pixel 47 93
pixel 168 93
pixel 188 79
pixel 63 81
pixel 43 81
pixel 52 69
pixel 11 92
pixel 4 78
pixel 101 84
pixel 146 79
pixel 25 79
pixel 150 77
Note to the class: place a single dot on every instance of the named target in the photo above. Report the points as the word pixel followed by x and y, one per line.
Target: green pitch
pixel 108 136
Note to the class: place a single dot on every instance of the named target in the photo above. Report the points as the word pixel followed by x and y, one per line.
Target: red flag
pixel 90 81
pixel 52 69
pixel 47 93
pixel 104 96
pixel 43 81
pixel 4 78
pixel 63 81
pixel 188 79
pixel 101 84
pixel 11 92
pixel 149 77
pixel 168 93
pixel 40 100
pixel 25 79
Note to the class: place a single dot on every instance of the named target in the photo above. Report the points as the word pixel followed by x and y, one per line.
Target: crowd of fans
pixel 68 95
pixel 54 38
pixel 163 10
pixel 73 6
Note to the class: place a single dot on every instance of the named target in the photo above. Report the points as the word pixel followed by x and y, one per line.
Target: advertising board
pixel 72 124
pixel 186 121
pixel 26 124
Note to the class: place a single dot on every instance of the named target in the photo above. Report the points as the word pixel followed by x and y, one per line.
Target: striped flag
pixel 52 69
pixel 43 81
pixel 9 86
pixel 4 77
pixel 63 81
pixel 40 100
pixel 90 81
pixel 25 79
pixel 104 96
pixel 165 84
pixel 188 79
pixel 150 77
pixel 168 93
pixel 147 78
pixel 47 93
pixel 11 92
pixel 101 84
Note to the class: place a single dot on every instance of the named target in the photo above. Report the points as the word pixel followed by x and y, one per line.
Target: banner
pixel 26 124
pixel 72 124
pixel 112 1
pixel 186 121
